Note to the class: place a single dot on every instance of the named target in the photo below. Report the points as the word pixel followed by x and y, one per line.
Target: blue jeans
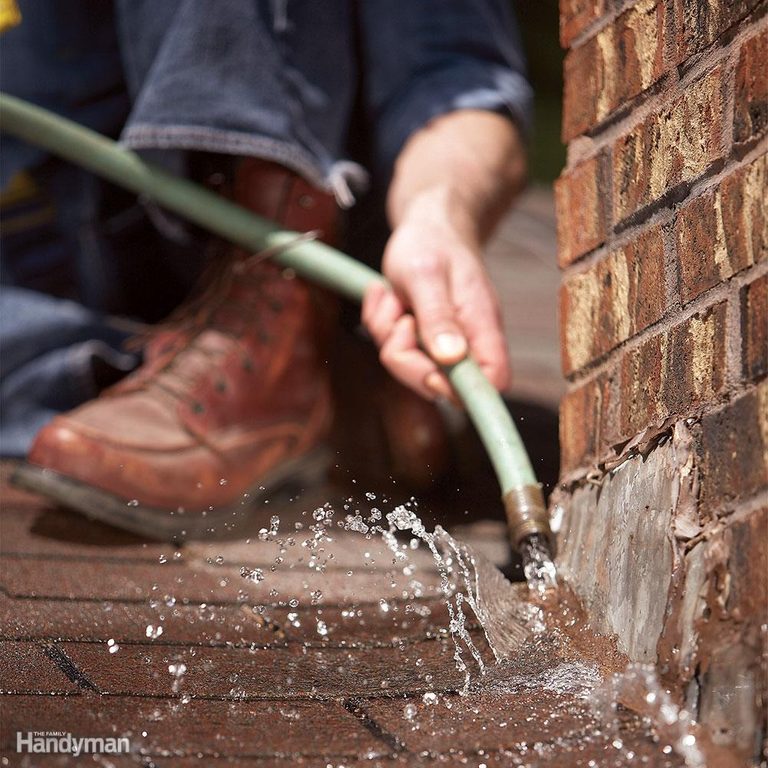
pixel 330 88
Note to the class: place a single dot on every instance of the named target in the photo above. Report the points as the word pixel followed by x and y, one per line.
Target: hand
pixel 440 295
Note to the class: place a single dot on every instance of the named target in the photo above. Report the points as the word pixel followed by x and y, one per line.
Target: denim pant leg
pixel 49 350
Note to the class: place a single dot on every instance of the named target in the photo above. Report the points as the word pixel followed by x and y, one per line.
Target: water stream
pixel 505 638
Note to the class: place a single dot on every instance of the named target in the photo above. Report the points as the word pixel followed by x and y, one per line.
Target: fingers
pixel 480 316
pixel 429 295
pixel 381 308
pixel 400 353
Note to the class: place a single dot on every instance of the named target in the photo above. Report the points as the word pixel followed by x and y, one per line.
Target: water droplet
pixel 383 605
pixel 410 711
pixel 429 698
pixel 133 503
pixel 252 574
pixel 153 632
pixel 322 628
pixel 112 645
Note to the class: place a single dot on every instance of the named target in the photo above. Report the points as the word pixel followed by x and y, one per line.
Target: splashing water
pixel 538 567
pixel 638 687
pixel 471 587
pixel 467 577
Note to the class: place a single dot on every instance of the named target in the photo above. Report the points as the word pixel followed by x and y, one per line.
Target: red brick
pixel 613 300
pixel 579 414
pixel 642 371
pixel 745 211
pixel 733 451
pixel 698 23
pixel 724 231
pixel 754 333
pixel 672 146
pixel 674 372
pixel 581 210
pixel 614 66
pixel 588 421
pixel 750 115
pixel 694 364
pixel 578 15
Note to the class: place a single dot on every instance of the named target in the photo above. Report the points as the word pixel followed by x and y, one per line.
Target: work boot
pixel 233 399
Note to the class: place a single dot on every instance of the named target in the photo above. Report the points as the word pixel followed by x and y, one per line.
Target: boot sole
pixel 164 524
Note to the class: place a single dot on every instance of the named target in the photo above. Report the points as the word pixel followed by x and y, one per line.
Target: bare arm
pixel 453 181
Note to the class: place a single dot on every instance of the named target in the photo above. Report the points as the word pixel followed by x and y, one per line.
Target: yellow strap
pixel 9 15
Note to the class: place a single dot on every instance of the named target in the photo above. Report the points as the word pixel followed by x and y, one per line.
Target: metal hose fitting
pixel 526 513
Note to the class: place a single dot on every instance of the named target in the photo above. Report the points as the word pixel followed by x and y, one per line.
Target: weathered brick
pixel 577 15
pixel 614 66
pixel 733 451
pixel 612 301
pixel 642 371
pixel 579 417
pixel 744 197
pixel 724 231
pixel 581 210
pixel 589 422
pixel 669 147
pixel 698 23
pixel 674 372
pixel 750 113
pixel 695 366
pixel 754 325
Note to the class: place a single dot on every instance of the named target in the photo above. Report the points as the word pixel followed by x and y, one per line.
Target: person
pixel 290 108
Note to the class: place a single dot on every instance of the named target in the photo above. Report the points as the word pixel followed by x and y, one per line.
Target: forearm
pixel 466 164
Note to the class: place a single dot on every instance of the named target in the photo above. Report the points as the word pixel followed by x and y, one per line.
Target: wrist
pixel 442 206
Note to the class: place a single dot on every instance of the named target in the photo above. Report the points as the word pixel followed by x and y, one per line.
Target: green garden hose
pixel 523 499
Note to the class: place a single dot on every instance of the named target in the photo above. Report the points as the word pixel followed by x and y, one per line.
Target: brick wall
pixel 663 242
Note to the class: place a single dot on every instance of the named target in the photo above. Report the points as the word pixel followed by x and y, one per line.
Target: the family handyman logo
pixel 60 743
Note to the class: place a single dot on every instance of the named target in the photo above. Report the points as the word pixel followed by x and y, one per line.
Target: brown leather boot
pixel 233 396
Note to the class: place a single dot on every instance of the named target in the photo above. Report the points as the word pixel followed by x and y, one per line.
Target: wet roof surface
pixel 242 675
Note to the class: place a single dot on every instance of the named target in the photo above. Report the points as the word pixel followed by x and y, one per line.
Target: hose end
pixel 527 514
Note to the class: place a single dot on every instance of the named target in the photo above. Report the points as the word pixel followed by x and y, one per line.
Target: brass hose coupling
pixel 527 513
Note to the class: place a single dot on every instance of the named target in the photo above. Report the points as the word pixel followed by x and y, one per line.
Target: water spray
pixel 523 499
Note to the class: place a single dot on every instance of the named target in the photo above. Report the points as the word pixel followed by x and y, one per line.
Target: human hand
pixel 439 295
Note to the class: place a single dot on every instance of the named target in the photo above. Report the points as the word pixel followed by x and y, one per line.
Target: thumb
pixel 438 328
